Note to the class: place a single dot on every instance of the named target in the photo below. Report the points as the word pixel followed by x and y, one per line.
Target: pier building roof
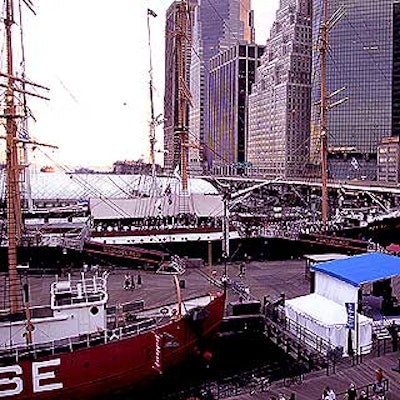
pixel 362 268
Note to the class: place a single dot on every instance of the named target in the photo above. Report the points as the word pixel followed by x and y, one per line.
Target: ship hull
pixel 113 367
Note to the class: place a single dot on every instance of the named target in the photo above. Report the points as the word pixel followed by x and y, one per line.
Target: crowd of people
pixel 157 223
pixel 130 282
pixel 370 392
pixel 378 392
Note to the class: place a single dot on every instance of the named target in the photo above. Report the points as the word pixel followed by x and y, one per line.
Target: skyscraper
pixel 279 106
pixel 172 145
pixel 232 74
pixel 218 24
pixel 360 60
pixel 396 70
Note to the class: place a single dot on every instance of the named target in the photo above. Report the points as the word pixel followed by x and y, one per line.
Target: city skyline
pixel 98 82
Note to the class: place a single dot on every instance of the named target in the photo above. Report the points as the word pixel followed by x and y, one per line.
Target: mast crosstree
pixel 181 128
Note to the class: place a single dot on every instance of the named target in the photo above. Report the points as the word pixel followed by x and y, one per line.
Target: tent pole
pixel 357 336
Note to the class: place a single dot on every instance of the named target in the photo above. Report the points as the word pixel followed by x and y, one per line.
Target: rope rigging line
pixel 87 185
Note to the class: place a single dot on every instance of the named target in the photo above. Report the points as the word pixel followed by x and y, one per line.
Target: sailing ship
pixel 170 212
pixel 78 347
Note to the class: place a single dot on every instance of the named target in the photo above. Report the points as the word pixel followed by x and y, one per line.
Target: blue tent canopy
pixel 362 268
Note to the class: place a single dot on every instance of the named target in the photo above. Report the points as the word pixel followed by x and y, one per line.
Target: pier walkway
pixel 312 386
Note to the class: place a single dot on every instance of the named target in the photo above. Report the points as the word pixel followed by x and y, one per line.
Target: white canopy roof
pixel 320 308
pixel 200 205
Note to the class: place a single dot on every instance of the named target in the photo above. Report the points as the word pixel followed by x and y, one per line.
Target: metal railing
pixel 248 382
pixel 71 344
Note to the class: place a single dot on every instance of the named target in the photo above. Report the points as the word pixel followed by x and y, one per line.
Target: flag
pixel 168 193
pixel 151 12
pixel 354 163
pixel 351 310
pixel 176 173
pixel 168 190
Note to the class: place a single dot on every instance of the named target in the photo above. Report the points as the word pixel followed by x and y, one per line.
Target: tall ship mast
pixel 181 129
pixel 15 112
pixel 153 119
pixel 13 169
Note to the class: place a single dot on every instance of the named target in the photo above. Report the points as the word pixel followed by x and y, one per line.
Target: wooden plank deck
pixel 314 383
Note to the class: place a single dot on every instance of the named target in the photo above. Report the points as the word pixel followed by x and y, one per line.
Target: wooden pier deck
pixel 314 383
pixel 263 278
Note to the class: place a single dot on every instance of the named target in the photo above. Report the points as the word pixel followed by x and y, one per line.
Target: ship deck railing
pixel 68 292
pixel 75 343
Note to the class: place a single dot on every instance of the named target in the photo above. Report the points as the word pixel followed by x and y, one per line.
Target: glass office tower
pixel 218 25
pixel 360 59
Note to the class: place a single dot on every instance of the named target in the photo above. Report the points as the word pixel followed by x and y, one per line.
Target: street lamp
pixel 225 277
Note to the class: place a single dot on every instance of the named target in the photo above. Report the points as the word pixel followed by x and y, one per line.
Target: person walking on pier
pixel 242 269
pixel 351 393
pixel 378 388
pixel 379 376
pixel 363 396
pixel 328 394
pixel 132 284
pixel 127 281
pixel 394 332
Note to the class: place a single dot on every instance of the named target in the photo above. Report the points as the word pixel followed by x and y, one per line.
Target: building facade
pixel 218 24
pixel 360 61
pixel 396 70
pixel 389 160
pixel 279 107
pixel 172 145
pixel 232 73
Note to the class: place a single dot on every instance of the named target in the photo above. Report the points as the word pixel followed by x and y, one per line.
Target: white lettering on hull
pixel 19 385
pixel 37 378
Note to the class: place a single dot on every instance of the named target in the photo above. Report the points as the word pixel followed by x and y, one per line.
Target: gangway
pixel 147 256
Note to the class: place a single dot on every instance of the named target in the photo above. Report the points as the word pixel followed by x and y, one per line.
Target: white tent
pixel 328 320
pixel 337 283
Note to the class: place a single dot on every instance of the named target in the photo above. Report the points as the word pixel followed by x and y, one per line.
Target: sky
pixel 94 57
